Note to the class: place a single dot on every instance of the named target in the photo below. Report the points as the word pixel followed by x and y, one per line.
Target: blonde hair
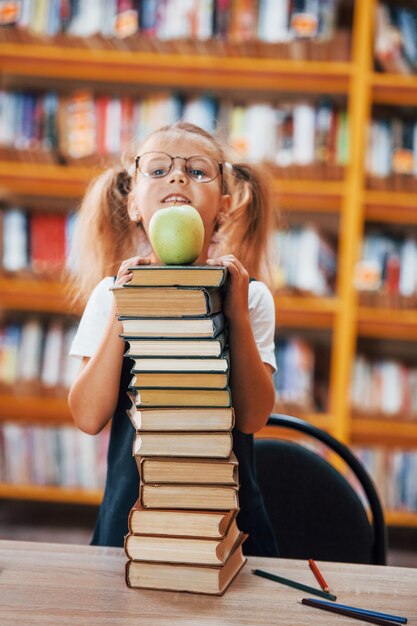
pixel 105 234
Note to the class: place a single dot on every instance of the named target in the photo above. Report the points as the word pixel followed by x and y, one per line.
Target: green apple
pixel 177 234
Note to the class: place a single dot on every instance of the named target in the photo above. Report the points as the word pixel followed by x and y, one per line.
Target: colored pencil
pixel 318 575
pixel 387 616
pixel 293 583
pixel 371 619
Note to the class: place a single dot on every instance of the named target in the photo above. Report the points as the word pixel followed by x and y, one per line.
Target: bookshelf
pixel 348 199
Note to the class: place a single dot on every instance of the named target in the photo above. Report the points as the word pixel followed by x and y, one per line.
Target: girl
pixel 114 221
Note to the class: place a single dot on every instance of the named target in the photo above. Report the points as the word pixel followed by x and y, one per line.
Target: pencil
pixel 387 616
pixel 318 575
pixel 294 584
pixel 371 619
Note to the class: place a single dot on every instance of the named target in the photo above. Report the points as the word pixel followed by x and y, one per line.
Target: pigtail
pixel 248 228
pixel 104 234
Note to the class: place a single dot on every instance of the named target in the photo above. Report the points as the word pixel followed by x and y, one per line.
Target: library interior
pixel 319 94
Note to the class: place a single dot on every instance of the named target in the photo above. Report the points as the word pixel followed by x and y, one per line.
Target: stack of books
pixel 182 534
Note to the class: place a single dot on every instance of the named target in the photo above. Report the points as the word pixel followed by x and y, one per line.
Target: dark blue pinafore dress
pixel 122 484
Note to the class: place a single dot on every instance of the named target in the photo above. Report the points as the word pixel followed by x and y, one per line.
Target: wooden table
pixel 55 584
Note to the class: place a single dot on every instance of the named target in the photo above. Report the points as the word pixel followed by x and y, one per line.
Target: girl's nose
pixel 177 174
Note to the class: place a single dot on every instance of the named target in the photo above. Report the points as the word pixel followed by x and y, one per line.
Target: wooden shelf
pixel 393 89
pixel 391 207
pixel 384 431
pixel 31 294
pixel 387 323
pixel 309 195
pixel 50 493
pixel 172 70
pixel 401 518
pixel 25 179
pixel 45 410
pixel 305 311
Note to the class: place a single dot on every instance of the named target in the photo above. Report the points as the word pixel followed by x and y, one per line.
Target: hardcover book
pixel 180 380
pixel 183 397
pixel 215 445
pixel 176 419
pixel 161 327
pixel 181 364
pixel 176 347
pixel 181 523
pixel 167 301
pixel 177 276
pixel 199 497
pixel 202 551
pixel 188 470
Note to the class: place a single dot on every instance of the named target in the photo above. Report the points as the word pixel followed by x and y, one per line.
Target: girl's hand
pixel 235 303
pixel 123 275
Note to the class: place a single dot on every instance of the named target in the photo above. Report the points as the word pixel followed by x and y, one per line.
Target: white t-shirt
pixel 97 311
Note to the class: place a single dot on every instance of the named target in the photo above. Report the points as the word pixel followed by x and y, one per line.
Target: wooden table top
pixel 59 584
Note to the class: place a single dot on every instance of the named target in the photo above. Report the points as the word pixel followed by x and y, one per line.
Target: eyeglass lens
pixel 202 169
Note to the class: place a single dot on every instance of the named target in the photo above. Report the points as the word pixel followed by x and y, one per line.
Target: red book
pixel 47 242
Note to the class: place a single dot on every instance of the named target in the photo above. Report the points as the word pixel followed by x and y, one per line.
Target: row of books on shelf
pixel 380 388
pixel 305 259
pixel 34 356
pixel 384 388
pixel 57 456
pixel 294 379
pixel 394 472
pixel 395 45
pixel 386 275
pixel 149 22
pixel 36 241
pixel 391 159
pixel 88 127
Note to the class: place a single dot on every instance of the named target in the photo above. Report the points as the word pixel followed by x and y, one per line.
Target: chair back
pixel 314 510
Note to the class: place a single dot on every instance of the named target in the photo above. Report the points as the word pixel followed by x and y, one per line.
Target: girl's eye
pixel 196 173
pixel 158 172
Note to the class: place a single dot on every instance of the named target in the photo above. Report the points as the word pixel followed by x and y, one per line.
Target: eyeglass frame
pixel 219 163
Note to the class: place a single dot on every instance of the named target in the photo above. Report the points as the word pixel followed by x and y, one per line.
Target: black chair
pixel 314 510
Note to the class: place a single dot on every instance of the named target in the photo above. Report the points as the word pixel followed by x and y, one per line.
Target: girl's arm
pixel 93 395
pixel 251 382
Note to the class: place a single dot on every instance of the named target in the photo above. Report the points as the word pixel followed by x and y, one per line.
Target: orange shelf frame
pixel 387 323
pixel 49 493
pixel 305 311
pixel 32 294
pixel 148 68
pixel 390 207
pixel 393 89
pixel 45 410
pixel 365 429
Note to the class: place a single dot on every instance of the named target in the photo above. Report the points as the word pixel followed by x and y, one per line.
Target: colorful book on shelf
pixel 212 580
pixel 176 347
pixel 180 523
pixel 180 380
pixel 177 276
pixel 183 444
pixel 194 497
pixel 182 397
pixel 167 301
pixel 182 419
pixel 162 327
pixel 200 551
pixel 195 471
pixel 181 364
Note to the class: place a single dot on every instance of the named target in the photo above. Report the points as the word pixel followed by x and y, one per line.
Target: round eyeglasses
pixel 201 169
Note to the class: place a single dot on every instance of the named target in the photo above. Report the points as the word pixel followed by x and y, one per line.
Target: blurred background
pixel 322 94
